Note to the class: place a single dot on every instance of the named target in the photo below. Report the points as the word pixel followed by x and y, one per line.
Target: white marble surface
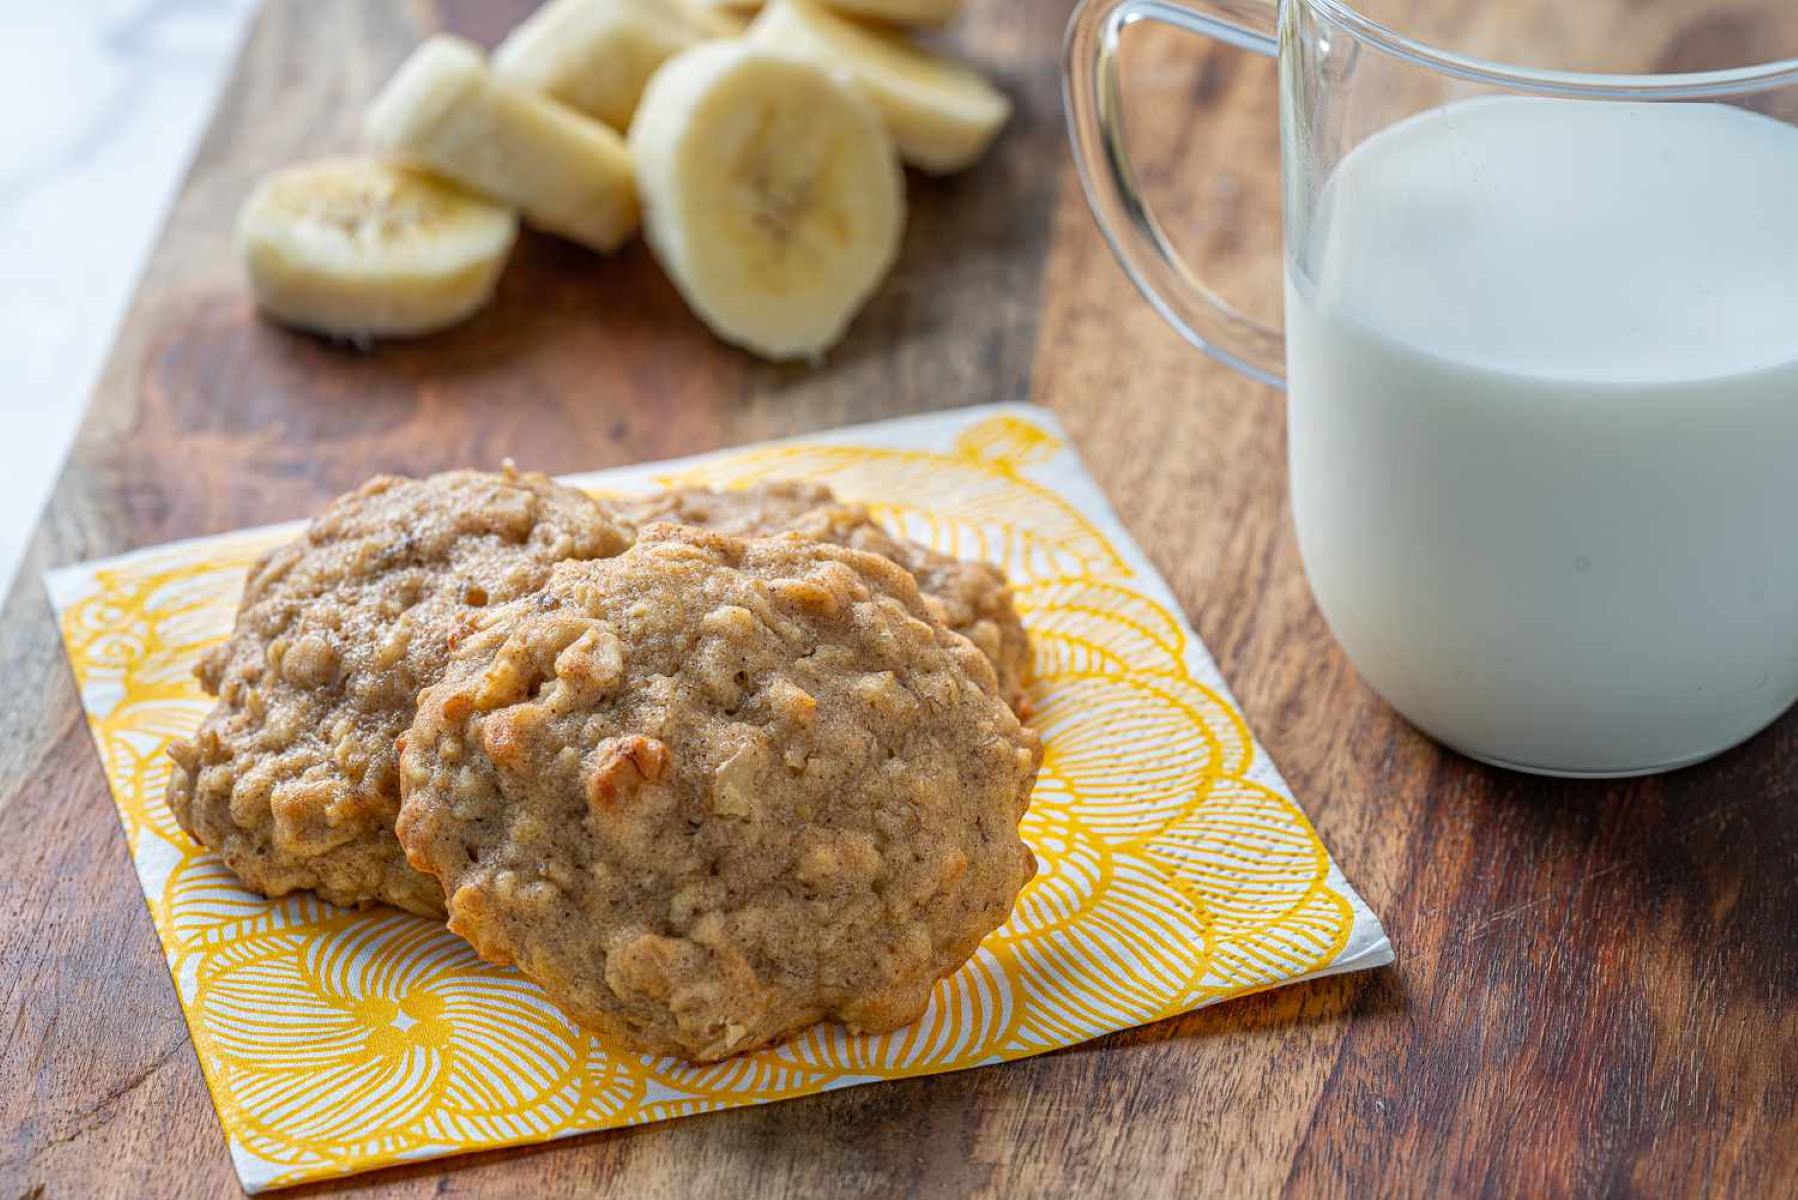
pixel 101 103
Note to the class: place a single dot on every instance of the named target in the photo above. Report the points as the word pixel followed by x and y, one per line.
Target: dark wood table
pixel 1597 984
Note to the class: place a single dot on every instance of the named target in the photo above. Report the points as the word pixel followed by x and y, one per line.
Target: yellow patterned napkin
pixel 1176 868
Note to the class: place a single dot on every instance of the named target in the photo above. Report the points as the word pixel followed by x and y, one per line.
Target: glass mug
pixel 1541 351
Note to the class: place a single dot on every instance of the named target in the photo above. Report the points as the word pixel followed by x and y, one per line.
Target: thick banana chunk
pixel 567 173
pixel 942 115
pixel 358 248
pixel 771 194
pixel 595 56
pixel 901 12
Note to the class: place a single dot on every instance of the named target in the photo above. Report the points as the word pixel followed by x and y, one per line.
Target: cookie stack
pixel 708 767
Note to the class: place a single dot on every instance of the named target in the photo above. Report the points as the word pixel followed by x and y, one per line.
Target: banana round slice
pixel 901 12
pixel 942 115
pixel 568 174
pixel 771 194
pixel 359 249
pixel 595 56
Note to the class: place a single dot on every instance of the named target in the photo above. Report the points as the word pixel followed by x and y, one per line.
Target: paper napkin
pixel 1176 869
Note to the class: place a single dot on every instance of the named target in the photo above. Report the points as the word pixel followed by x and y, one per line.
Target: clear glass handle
pixel 1096 128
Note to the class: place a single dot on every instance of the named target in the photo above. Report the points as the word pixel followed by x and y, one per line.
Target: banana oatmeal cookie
pixel 715 789
pixel 292 777
pixel 974 597
pixel 754 511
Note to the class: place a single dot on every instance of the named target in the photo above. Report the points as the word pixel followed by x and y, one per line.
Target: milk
pixel 1543 363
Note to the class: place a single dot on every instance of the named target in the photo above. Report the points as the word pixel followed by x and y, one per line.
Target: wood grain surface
pixel 1597 984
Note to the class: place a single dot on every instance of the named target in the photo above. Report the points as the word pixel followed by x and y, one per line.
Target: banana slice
pixel 771 194
pixel 359 249
pixel 901 12
pixel 942 115
pixel 596 55
pixel 567 173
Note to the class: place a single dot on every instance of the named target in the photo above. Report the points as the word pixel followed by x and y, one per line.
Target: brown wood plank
pixel 1597 989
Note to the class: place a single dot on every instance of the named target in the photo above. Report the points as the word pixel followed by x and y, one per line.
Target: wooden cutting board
pixel 1597 984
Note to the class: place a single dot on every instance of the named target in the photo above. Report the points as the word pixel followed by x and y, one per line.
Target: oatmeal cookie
pixel 755 511
pixel 716 789
pixel 974 597
pixel 292 778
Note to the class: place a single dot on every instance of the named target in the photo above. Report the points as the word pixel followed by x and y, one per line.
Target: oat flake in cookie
pixel 974 598
pixel 715 789
pixel 292 777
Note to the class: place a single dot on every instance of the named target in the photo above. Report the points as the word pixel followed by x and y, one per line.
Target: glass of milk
pixel 1541 351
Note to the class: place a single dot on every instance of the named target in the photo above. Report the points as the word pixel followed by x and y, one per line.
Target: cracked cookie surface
pixel 974 597
pixel 715 789
pixel 292 778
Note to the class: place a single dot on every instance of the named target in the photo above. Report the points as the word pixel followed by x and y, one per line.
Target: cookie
pixel 292 778
pixel 975 598
pixel 755 511
pixel 715 789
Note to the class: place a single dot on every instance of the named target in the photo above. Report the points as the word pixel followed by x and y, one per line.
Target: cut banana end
pixel 772 195
pixel 567 173
pixel 596 55
pixel 901 12
pixel 942 115
pixel 360 249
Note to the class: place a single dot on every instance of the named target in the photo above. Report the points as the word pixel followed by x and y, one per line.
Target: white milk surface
pixel 1544 425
